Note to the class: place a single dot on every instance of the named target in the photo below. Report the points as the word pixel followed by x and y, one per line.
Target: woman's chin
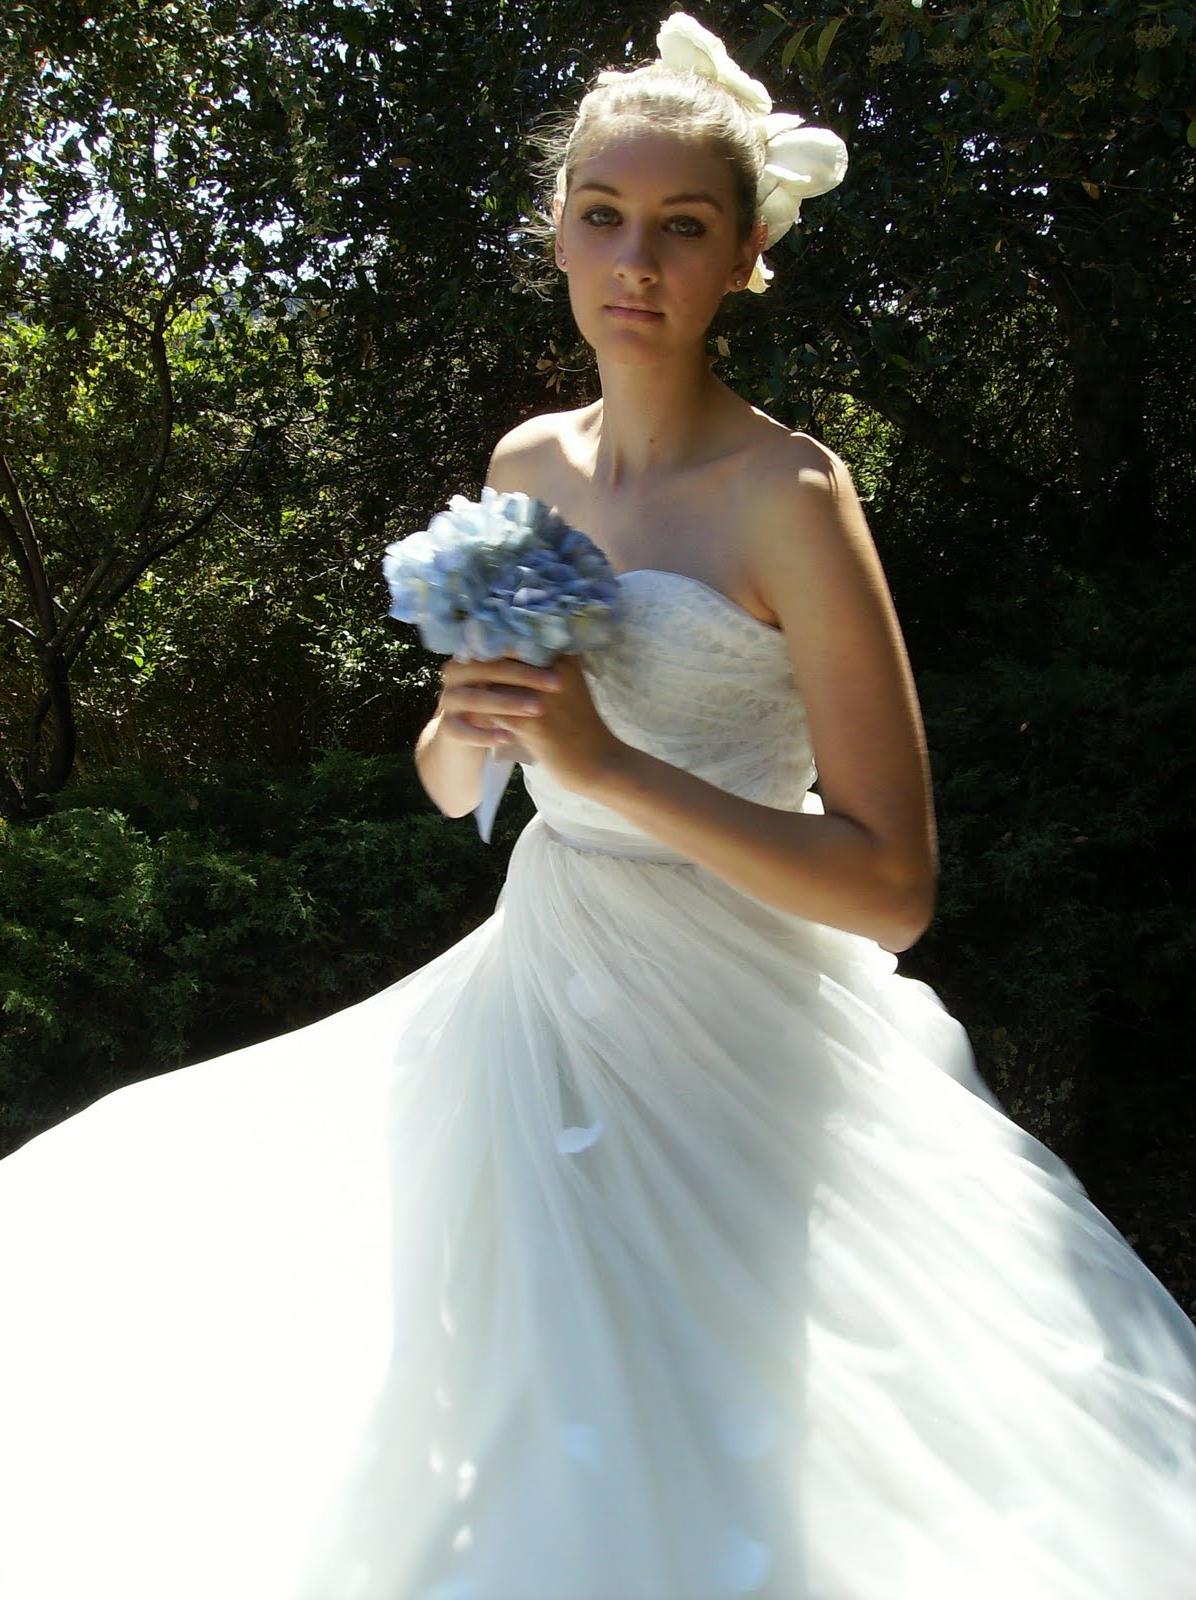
pixel 620 342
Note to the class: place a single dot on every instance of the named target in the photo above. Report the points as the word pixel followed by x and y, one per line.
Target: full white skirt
pixel 648 1244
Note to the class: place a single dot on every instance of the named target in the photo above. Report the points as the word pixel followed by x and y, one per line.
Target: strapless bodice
pixel 693 678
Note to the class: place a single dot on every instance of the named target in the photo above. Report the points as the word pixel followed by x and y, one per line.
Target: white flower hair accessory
pixel 799 161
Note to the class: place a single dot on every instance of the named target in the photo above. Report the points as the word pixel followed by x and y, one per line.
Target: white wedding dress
pixel 651 1243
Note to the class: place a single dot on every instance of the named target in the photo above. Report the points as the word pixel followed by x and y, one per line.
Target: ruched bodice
pixel 693 678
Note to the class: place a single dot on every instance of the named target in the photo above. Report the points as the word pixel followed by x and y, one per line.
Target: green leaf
pixel 792 46
pixel 827 38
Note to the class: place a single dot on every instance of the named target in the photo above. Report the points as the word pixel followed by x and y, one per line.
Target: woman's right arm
pixel 450 752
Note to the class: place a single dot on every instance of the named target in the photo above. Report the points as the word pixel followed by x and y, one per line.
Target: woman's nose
pixel 637 257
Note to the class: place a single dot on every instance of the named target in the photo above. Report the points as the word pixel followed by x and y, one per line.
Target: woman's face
pixel 643 244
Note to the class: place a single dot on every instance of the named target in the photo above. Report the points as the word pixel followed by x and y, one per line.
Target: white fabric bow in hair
pixel 685 45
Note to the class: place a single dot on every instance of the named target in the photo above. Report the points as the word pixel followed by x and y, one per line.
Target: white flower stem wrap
pixel 799 161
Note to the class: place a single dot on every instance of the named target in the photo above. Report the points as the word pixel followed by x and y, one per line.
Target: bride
pixel 657 1241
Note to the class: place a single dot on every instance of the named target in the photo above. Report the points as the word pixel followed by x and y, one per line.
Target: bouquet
pixel 503 576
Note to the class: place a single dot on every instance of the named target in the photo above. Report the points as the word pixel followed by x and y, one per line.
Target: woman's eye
pixel 697 227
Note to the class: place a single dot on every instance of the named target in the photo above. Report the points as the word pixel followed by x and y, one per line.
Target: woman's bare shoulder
pixel 529 451
pixel 784 461
pixel 799 498
pixel 789 450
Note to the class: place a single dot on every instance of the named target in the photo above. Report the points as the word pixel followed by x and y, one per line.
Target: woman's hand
pixel 521 712
pixel 475 693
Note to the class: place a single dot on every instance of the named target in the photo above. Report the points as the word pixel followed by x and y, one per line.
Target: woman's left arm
pixel 868 865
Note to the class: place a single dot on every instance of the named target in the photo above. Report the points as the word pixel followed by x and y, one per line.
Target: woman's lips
pixel 628 314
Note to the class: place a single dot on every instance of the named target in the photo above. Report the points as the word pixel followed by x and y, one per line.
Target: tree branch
pixel 22 536
pixel 28 633
pixel 98 573
pixel 156 552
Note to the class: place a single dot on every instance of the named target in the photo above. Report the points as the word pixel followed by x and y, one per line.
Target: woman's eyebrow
pixel 672 200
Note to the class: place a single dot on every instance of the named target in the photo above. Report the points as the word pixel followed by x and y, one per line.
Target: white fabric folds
pixel 648 1244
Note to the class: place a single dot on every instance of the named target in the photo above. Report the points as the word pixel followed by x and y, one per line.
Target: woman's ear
pixel 558 212
pixel 756 245
pixel 746 263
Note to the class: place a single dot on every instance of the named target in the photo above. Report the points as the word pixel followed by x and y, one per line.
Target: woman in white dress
pixel 657 1241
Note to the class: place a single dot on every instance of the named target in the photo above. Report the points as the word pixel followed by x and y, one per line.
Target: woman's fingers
pixel 474 729
pixel 506 670
pixel 461 727
pixel 488 699
pixel 475 694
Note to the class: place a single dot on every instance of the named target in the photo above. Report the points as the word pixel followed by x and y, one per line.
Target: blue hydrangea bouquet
pixel 502 576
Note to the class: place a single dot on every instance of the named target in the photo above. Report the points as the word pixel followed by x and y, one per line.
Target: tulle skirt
pixel 648 1244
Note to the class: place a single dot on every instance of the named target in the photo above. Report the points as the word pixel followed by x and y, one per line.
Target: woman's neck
pixel 654 421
